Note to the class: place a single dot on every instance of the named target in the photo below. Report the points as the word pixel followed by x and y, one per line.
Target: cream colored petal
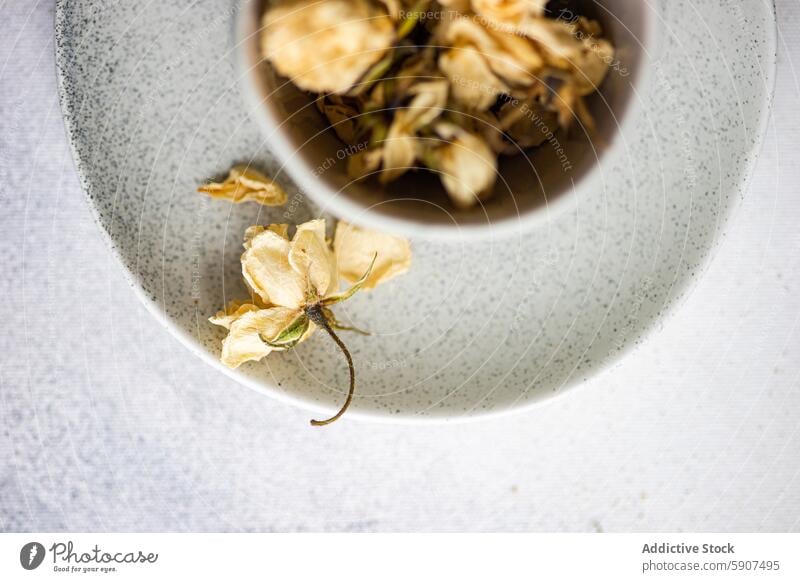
pixel 566 46
pixel 251 233
pixel 355 248
pixel 244 184
pixel 280 229
pixel 401 145
pixel 311 257
pixel 509 13
pixel 266 269
pixel 468 166
pixel 430 98
pixel 231 313
pixel 593 67
pixel 326 45
pixel 246 339
pixel 510 56
pixel 472 82
pixel 399 149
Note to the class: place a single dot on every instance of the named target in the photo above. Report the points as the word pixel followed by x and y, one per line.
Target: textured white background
pixel 107 423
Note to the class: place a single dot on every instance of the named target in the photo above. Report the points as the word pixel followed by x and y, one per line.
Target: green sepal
pixel 410 21
pixel 347 294
pixel 291 335
pixel 334 323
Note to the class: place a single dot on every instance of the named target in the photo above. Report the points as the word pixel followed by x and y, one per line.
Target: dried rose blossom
pixel 401 144
pixel 467 166
pixel 473 84
pixel 326 45
pixel 296 281
pixel 511 57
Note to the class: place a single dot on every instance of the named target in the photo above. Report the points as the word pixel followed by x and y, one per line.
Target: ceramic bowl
pixel 153 105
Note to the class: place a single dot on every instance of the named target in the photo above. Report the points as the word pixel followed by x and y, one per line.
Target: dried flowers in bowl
pixel 447 86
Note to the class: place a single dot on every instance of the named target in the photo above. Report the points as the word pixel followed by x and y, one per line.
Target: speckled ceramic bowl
pixel 153 106
pixel 532 187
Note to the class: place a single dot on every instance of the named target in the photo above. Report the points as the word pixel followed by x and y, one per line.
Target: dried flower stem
pixel 316 315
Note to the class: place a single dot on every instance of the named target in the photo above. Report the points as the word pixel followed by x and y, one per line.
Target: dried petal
pixel 509 14
pixel 401 144
pixel 266 269
pixel 473 83
pixel 356 247
pixel 512 57
pixel 244 184
pixel 565 47
pixel 311 257
pixel 231 313
pixel 251 330
pixel 326 45
pixel 468 166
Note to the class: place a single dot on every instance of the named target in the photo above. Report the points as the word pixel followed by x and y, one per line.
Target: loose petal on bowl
pixel 245 184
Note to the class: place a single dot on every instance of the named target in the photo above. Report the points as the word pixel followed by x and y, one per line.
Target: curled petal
pixel 569 47
pixel 231 313
pixel 468 166
pixel 245 184
pixel 510 56
pixel 249 331
pixel 473 84
pixel 399 152
pixel 266 269
pixel 311 257
pixel 356 248
pixel 401 144
pixel 508 14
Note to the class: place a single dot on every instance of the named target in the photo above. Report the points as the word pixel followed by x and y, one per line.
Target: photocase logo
pixel 31 555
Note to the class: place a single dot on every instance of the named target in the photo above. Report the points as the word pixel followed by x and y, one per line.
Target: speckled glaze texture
pixel 152 105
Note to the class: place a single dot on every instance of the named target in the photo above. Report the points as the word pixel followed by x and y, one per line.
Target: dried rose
pixel 401 144
pixel 245 184
pixel 512 57
pixel 326 45
pixel 467 166
pixel 472 82
pixel 586 57
pixel 295 282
